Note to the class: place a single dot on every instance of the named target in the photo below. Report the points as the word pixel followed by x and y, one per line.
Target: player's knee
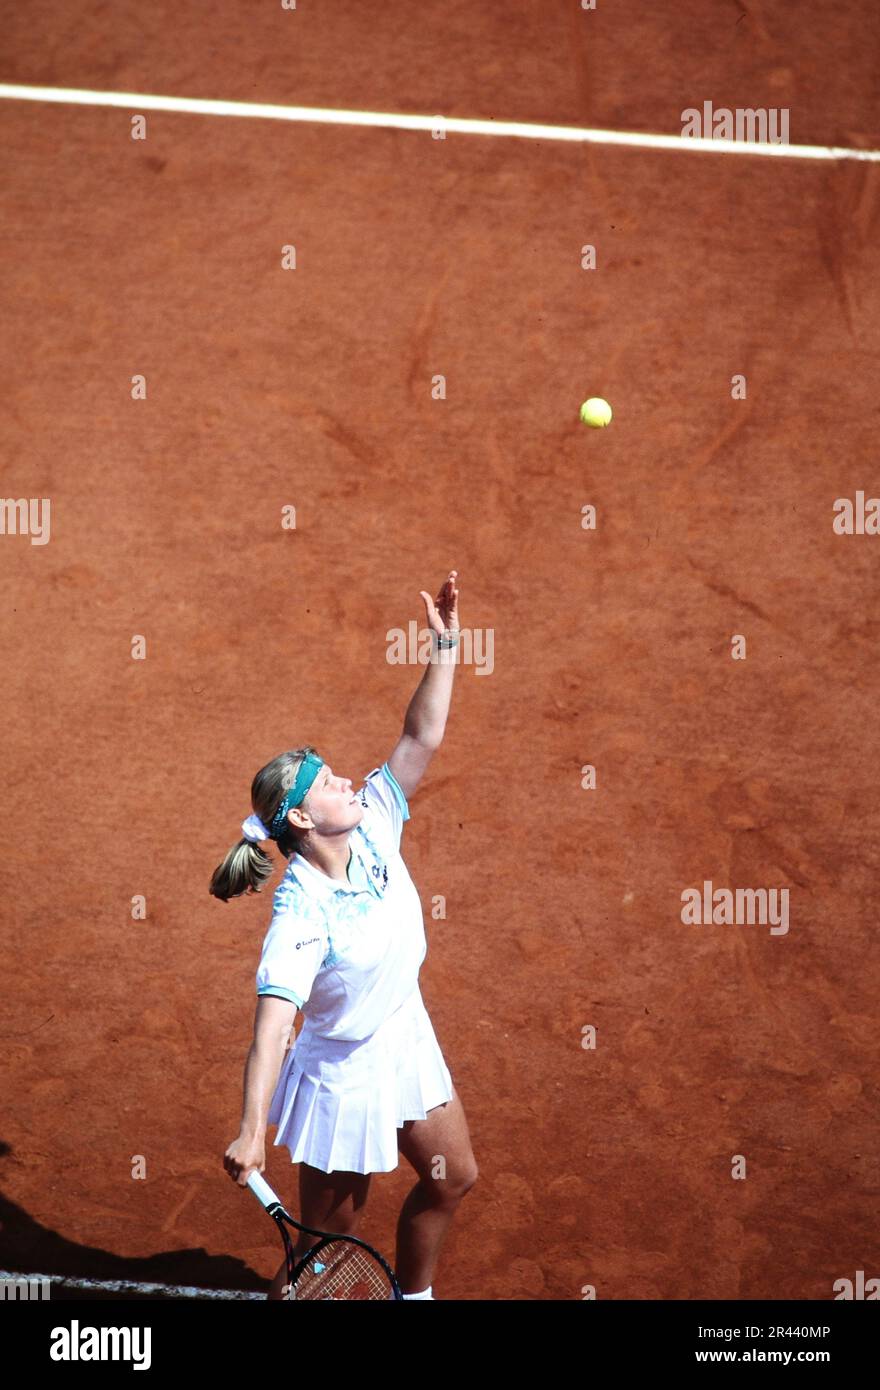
pixel 457 1184
pixel 468 1178
pixel 341 1224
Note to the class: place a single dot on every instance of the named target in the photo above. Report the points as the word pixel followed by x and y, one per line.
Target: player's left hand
pixel 442 612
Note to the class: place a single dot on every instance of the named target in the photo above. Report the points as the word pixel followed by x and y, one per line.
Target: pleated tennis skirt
pixel 338 1104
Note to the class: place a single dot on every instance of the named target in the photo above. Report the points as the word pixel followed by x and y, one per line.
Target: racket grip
pixel 261 1190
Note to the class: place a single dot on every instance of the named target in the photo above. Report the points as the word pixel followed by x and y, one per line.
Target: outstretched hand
pixel 442 612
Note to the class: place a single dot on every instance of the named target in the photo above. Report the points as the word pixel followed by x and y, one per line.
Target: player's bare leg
pixel 328 1202
pixel 429 1208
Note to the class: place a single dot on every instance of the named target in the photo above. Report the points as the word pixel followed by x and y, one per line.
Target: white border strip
pixel 139 102
pixel 131 1286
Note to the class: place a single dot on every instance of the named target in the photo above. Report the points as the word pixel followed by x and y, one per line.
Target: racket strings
pixel 341 1270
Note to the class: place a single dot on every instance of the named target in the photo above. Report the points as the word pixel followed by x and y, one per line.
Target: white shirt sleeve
pixel 293 950
pixel 381 794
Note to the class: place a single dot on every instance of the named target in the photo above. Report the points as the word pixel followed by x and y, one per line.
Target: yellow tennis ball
pixel 596 412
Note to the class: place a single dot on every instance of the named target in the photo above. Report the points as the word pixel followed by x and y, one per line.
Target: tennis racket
pixel 338 1266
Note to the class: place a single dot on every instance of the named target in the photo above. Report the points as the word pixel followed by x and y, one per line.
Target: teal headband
pixel 306 773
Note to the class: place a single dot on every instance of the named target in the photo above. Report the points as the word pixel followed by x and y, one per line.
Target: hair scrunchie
pixel 254 830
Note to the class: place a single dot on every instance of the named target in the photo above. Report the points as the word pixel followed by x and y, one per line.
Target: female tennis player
pixel 365 1080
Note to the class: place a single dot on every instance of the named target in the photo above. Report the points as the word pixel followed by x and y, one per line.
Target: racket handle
pixel 261 1190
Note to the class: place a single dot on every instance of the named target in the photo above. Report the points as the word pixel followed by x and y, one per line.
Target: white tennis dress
pixel 349 956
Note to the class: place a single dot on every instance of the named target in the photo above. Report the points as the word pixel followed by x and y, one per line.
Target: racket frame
pixel 282 1218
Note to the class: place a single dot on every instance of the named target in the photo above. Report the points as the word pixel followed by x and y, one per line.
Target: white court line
pixel 139 102
pixel 131 1286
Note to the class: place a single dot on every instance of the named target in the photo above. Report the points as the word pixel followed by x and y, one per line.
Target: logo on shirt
pixel 308 943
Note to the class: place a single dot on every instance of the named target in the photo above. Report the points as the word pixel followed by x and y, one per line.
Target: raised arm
pixel 425 722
